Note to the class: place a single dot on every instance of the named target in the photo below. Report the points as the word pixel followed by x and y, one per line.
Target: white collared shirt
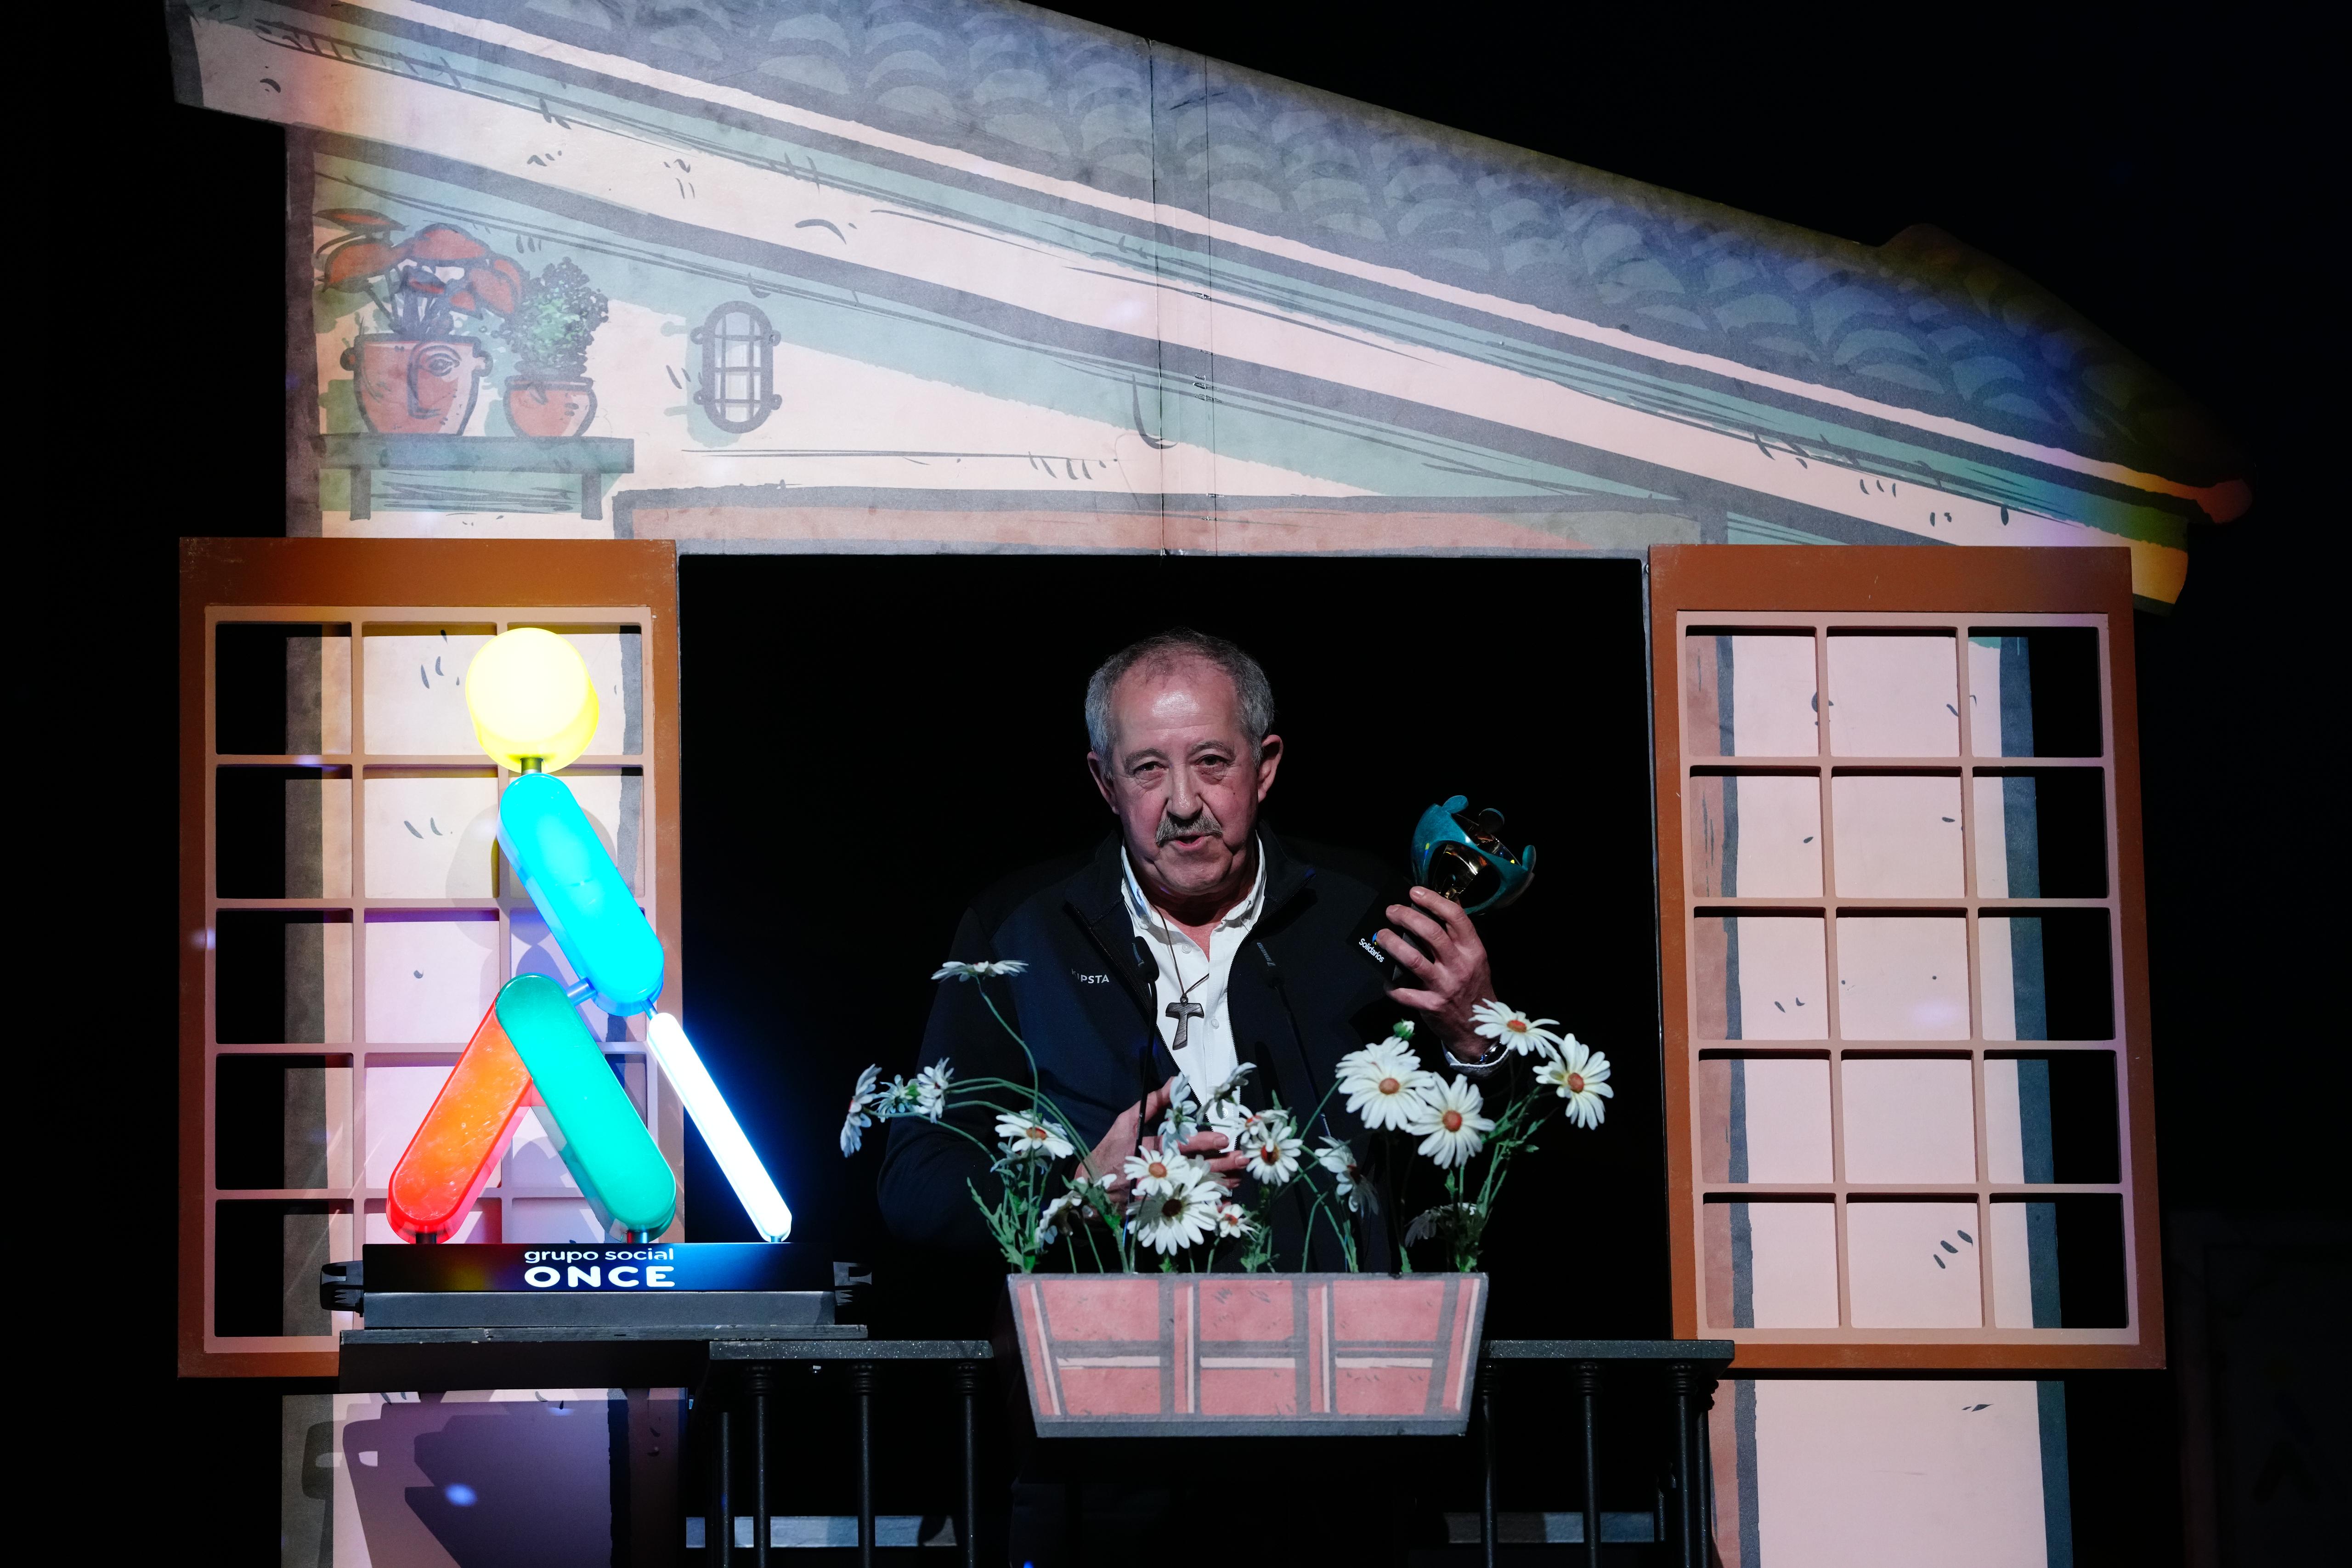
pixel 1186 973
pixel 1210 1057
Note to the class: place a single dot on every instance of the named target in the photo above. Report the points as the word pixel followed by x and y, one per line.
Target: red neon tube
pixel 461 1139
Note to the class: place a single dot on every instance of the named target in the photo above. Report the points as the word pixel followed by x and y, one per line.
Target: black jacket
pixel 1306 989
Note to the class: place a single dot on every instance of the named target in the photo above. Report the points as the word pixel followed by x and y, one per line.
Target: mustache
pixel 1202 821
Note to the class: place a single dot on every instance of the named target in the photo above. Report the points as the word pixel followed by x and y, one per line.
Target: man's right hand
pixel 1109 1158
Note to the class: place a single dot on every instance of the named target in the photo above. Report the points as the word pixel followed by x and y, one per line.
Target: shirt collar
pixel 1144 912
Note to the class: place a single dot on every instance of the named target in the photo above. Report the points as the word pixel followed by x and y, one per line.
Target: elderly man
pixel 1192 941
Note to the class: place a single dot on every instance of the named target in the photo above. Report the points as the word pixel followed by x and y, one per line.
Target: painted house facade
pixel 877 276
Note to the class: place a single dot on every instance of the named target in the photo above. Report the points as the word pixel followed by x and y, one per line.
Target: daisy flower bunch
pixel 1455 1129
pixel 1572 1071
pixel 1452 1125
pixel 1025 1134
pixel 1269 1141
pixel 1170 1204
pixel 1578 1073
pixel 1272 1148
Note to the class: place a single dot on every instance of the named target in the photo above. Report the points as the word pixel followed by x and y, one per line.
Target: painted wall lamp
pixel 534 709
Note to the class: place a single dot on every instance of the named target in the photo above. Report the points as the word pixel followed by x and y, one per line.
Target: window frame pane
pixel 1733 590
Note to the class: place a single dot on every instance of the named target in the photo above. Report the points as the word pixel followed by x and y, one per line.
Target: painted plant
pixel 417 375
pixel 549 329
pixel 422 286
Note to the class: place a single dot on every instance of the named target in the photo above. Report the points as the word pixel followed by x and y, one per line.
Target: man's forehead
pixel 1188 695
pixel 1176 688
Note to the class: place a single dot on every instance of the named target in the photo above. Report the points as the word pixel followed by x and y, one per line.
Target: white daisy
pixel 1155 1174
pixel 861 1102
pixel 1338 1158
pixel 956 970
pixel 1274 1159
pixel 1516 1030
pixel 1247 1129
pixel 1030 1138
pixel 931 1090
pixel 1182 1116
pixel 1047 1231
pixel 1450 1118
pixel 1581 1075
pixel 1384 1083
pixel 1230 1090
pixel 1175 1220
pixel 1233 1220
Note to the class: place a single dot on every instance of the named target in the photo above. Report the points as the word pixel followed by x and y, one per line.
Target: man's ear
pixel 1096 766
pixel 1269 757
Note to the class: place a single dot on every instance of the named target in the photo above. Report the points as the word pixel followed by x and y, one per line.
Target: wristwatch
pixel 1485 1057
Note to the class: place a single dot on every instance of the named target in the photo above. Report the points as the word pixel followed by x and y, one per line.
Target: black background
pixel 870 742
pixel 2158 166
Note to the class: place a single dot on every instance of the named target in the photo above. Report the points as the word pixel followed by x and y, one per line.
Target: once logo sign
pixel 595 1277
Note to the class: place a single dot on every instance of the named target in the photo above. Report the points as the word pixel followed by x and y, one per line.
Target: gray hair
pixel 1252 693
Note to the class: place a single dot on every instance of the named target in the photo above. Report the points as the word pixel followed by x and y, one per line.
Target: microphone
pixel 1147 969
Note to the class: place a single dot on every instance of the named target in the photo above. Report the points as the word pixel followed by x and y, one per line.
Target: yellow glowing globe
pixel 530 697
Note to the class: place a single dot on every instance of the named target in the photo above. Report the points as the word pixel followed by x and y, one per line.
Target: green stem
pixel 1346 1243
pixel 1320 1104
pixel 984 996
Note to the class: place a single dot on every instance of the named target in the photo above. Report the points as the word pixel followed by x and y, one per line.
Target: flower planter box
pixel 1248 1355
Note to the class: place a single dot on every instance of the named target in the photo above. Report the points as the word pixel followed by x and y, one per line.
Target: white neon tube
pixel 753 1190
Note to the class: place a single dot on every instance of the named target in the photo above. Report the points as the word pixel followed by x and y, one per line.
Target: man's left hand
pixel 1453 978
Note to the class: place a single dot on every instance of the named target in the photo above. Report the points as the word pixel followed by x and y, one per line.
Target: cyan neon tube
pixel 684 1067
pixel 619 1167
pixel 580 894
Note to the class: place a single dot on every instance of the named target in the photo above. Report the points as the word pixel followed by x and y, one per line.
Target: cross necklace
pixel 1183 1009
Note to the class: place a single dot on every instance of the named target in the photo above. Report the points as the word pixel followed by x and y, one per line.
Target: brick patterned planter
pixel 1248 1355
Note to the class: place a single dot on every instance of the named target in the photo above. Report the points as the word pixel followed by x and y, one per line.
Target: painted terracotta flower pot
pixel 550 409
pixel 416 386
pixel 1248 1355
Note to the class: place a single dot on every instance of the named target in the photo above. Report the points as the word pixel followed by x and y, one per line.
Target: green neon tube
pixel 619 1167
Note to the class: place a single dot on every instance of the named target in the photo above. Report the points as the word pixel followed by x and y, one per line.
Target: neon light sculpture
pixel 534 711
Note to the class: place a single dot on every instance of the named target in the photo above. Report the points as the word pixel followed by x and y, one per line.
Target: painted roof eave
pixel 325 69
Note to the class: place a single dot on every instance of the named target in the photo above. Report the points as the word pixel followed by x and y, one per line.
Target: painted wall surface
pixel 1930 1474
pixel 512 1476
pixel 940 274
